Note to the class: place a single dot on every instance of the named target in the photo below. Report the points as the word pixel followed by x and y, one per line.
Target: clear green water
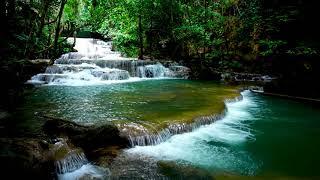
pixel 260 136
pixel 152 103
pixel 287 137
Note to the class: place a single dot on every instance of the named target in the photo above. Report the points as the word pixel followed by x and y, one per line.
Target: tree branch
pixel 51 46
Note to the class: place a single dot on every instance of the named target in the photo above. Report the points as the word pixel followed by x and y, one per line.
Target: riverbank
pixel 13 75
pixel 60 141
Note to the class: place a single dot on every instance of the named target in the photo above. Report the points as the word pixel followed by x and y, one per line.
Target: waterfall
pixel 139 135
pixel 154 70
pixel 215 146
pixel 144 138
pixel 73 161
pixel 96 63
pixel 73 164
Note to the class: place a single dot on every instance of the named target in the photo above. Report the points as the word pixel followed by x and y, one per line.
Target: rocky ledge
pixel 87 137
pixel 38 157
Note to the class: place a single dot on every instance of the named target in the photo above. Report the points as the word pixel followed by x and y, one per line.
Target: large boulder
pixel 87 137
pixel 28 158
pixel 180 71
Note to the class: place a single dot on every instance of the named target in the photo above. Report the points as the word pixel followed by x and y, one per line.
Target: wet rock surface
pixel 86 137
pixel 25 157
pixel 128 166
pixel 180 71
pixel 183 171
pixel 61 154
pixel 113 74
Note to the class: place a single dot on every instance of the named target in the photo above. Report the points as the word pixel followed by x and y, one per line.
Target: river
pixel 169 120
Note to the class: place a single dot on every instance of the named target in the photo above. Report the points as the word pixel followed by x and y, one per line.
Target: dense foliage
pixel 224 33
pixel 257 36
pixel 176 29
pixel 35 29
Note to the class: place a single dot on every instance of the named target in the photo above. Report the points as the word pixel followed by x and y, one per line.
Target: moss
pixel 182 108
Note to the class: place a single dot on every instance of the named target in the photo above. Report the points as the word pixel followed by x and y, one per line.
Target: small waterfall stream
pixel 96 63
pixel 72 163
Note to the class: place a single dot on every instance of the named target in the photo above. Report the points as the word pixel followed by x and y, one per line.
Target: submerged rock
pixel 183 171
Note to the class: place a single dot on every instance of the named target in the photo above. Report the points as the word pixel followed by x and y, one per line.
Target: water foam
pixel 95 49
pixel 95 64
pixel 87 171
pixel 74 164
pixel 211 146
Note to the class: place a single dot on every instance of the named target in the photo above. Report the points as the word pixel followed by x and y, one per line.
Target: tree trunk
pixel 48 42
pixel 74 38
pixel 57 31
pixel 140 38
pixel 43 16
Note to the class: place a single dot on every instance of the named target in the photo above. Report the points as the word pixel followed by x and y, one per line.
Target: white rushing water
pixel 211 146
pixel 96 63
pixel 87 171
pixel 74 164
pixel 90 48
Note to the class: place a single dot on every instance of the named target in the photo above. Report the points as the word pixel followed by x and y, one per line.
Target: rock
pixel 116 75
pixel 87 137
pixel 13 75
pixel 180 71
pixel 104 156
pixel 112 74
pixel 54 70
pixel 135 166
pixel 226 77
pixel 25 157
pixel 183 171
pixel 39 61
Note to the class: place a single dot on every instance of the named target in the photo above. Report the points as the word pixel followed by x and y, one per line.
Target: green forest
pixel 254 36
pixel 203 30
pixel 148 105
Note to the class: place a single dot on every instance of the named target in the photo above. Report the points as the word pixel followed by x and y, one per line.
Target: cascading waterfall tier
pixel 72 163
pixel 138 135
pixel 219 147
pixel 96 63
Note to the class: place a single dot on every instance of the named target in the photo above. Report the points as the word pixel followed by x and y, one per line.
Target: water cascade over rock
pixel 96 63
pixel 71 163
pixel 139 135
